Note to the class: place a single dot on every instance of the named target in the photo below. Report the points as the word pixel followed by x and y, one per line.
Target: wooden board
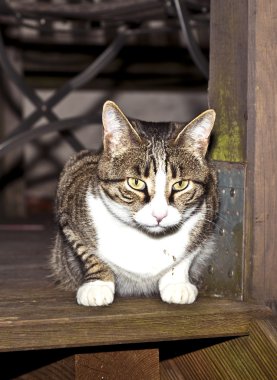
pixel 243 358
pixel 227 80
pixel 262 152
pixel 138 364
pixel 243 91
pixel 135 365
pixel 36 315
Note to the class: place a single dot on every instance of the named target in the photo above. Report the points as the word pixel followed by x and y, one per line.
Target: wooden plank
pixel 36 315
pixel 261 151
pixel 55 321
pixel 114 365
pixel 228 78
pixel 243 91
pixel 245 358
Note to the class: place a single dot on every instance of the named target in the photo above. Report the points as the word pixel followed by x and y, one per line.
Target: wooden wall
pixel 262 147
pixel 243 90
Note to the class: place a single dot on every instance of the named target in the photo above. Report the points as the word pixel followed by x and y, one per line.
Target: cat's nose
pixel 159 215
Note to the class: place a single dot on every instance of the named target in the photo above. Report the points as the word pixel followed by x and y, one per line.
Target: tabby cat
pixel 137 217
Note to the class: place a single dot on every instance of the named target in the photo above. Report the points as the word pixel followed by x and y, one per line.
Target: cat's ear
pixel 119 133
pixel 196 134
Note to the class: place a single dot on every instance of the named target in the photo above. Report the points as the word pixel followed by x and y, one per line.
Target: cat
pixel 137 217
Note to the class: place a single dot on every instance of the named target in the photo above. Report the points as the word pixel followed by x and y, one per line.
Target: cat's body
pixel 138 216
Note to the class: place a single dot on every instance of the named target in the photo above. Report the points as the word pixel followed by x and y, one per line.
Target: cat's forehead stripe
pixel 172 168
pixel 137 170
pixel 147 169
pixel 156 156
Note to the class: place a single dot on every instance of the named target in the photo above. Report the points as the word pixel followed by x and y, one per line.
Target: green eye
pixel 136 184
pixel 180 185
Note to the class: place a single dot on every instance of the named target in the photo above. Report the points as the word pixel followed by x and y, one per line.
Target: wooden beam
pixel 262 150
pixel 114 365
pixel 228 78
pixel 56 322
pixel 249 357
pixel 243 91
pixel 135 364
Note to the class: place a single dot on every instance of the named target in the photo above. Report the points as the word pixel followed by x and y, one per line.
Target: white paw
pixel 96 293
pixel 182 293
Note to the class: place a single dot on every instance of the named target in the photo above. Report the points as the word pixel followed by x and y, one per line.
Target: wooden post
pixel 243 91
pixel 262 150
pixel 124 365
pixel 228 78
pixel 108 365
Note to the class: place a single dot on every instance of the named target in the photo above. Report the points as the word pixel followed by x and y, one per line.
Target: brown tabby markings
pixel 145 149
pixel 75 228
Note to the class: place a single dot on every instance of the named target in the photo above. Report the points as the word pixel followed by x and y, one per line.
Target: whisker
pixel 217 227
pixel 218 216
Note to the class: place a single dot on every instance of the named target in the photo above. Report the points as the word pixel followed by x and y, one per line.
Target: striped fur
pixel 114 237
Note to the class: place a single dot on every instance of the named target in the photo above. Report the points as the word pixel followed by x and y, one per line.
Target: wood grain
pixel 243 91
pixel 123 365
pixel 244 358
pixel 36 315
pixel 227 79
pixel 262 152
pixel 135 364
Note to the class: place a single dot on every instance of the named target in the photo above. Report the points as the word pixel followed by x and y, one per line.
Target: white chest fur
pixel 124 246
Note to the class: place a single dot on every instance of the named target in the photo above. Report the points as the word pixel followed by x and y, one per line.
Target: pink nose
pixel 159 215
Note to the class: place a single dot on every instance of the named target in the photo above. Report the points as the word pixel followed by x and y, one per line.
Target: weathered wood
pixel 228 78
pixel 54 321
pixel 136 364
pixel 261 150
pixel 123 365
pixel 244 358
pixel 243 91
pixel 36 315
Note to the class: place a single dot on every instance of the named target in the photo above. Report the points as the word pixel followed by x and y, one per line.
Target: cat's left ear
pixel 119 133
pixel 196 134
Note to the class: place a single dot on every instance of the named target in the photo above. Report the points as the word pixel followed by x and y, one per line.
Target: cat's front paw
pixel 96 293
pixel 180 293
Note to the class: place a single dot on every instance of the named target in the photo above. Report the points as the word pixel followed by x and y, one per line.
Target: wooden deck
pixel 36 315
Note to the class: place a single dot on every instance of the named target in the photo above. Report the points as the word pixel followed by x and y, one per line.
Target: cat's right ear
pixel 196 134
pixel 119 133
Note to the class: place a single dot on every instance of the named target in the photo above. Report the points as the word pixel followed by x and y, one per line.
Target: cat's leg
pixel 175 286
pixel 97 285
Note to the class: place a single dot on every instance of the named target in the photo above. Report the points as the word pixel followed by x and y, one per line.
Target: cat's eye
pixel 180 185
pixel 136 184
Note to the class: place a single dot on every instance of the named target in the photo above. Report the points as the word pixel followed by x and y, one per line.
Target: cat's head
pixel 154 175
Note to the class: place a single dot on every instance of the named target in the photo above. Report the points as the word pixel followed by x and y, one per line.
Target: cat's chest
pixel 130 249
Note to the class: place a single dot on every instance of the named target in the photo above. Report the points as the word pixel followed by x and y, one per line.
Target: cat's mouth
pixel 157 229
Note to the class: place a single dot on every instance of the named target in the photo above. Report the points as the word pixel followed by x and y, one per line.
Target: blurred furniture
pixel 111 22
pixel 104 27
